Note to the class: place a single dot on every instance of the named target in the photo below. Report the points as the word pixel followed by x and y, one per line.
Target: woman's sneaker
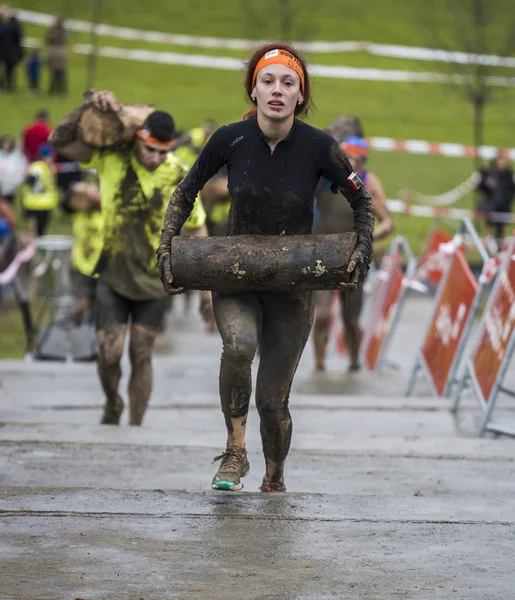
pixel 272 486
pixel 234 465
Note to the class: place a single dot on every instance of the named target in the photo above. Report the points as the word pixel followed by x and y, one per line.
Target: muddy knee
pixel 321 324
pixel 240 347
pixel 141 345
pixel 110 345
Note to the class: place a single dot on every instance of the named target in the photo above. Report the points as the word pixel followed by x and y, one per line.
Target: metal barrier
pixel 60 337
pixel 458 299
pixel 493 347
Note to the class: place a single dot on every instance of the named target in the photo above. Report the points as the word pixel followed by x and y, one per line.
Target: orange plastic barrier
pixel 496 331
pixel 450 317
pixel 433 262
pixel 385 305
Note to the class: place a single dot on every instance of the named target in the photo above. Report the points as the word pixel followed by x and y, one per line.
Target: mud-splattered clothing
pixel 281 322
pixel 87 233
pixel 133 204
pixel 272 192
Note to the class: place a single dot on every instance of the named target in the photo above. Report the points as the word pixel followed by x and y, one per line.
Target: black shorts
pixel 114 309
pixel 42 219
pixel 83 286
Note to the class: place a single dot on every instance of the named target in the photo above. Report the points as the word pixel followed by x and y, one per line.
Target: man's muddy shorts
pixel 114 309
pixel 83 286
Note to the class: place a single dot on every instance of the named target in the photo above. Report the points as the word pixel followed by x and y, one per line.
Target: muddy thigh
pixel 238 318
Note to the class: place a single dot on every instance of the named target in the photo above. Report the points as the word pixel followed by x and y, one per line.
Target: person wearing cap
pixel 336 217
pixel 135 185
pixel 39 193
pixel 274 162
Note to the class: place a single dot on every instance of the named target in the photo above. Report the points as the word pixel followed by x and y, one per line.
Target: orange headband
pixel 144 134
pixel 280 57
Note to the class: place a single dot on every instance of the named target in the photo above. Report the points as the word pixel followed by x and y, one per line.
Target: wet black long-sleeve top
pixel 272 192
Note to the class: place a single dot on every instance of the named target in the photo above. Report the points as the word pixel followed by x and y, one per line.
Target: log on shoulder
pixel 249 263
pixel 107 129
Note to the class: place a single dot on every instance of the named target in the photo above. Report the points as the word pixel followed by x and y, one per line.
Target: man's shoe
pixel 234 466
pixel 112 413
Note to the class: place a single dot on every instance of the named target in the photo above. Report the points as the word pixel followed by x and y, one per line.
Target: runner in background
pixel 83 202
pixel 334 215
pixel 136 183
pixel 190 144
pixel 187 147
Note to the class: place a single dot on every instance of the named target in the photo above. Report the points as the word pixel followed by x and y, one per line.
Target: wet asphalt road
pixel 388 497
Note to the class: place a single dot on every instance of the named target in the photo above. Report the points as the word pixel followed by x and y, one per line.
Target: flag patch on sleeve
pixel 355 181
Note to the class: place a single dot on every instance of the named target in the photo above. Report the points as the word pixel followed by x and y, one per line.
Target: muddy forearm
pixel 364 215
pixel 177 212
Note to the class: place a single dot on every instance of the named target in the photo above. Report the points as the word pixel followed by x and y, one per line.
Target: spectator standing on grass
pixel 11 49
pixel 496 188
pixel 57 45
pixel 35 134
pixel 13 166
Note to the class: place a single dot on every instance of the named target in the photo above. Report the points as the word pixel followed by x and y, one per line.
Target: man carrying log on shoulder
pixel 136 180
pixel 274 162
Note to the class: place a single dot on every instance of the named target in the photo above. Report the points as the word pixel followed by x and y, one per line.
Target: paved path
pixel 389 497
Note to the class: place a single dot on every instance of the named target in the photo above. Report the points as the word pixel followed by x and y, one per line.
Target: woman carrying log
pixel 274 162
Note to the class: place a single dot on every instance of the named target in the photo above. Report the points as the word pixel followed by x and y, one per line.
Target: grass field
pixel 425 111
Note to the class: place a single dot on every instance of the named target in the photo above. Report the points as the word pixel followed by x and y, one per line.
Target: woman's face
pixel 356 161
pixel 277 92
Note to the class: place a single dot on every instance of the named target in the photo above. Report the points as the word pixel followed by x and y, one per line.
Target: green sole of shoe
pixel 227 486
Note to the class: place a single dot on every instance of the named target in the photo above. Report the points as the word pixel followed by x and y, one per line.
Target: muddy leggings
pixel 281 323
pixel 351 305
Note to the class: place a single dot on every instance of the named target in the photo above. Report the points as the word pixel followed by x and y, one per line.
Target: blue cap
pixel 355 145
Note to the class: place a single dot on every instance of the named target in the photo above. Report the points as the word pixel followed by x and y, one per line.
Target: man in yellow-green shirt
pixel 135 187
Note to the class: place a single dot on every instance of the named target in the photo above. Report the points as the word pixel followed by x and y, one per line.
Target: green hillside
pixel 428 111
pixel 432 112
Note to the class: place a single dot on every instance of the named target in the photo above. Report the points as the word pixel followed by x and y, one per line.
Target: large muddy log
pixel 107 129
pixel 249 263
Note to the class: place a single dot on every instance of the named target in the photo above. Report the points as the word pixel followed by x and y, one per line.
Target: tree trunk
pixel 478 107
pixel 250 263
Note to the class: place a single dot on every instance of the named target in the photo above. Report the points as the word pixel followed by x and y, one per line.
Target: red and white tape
pixel 419 210
pixel 439 148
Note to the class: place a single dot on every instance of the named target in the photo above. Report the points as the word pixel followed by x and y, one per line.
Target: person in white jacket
pixel 13 166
